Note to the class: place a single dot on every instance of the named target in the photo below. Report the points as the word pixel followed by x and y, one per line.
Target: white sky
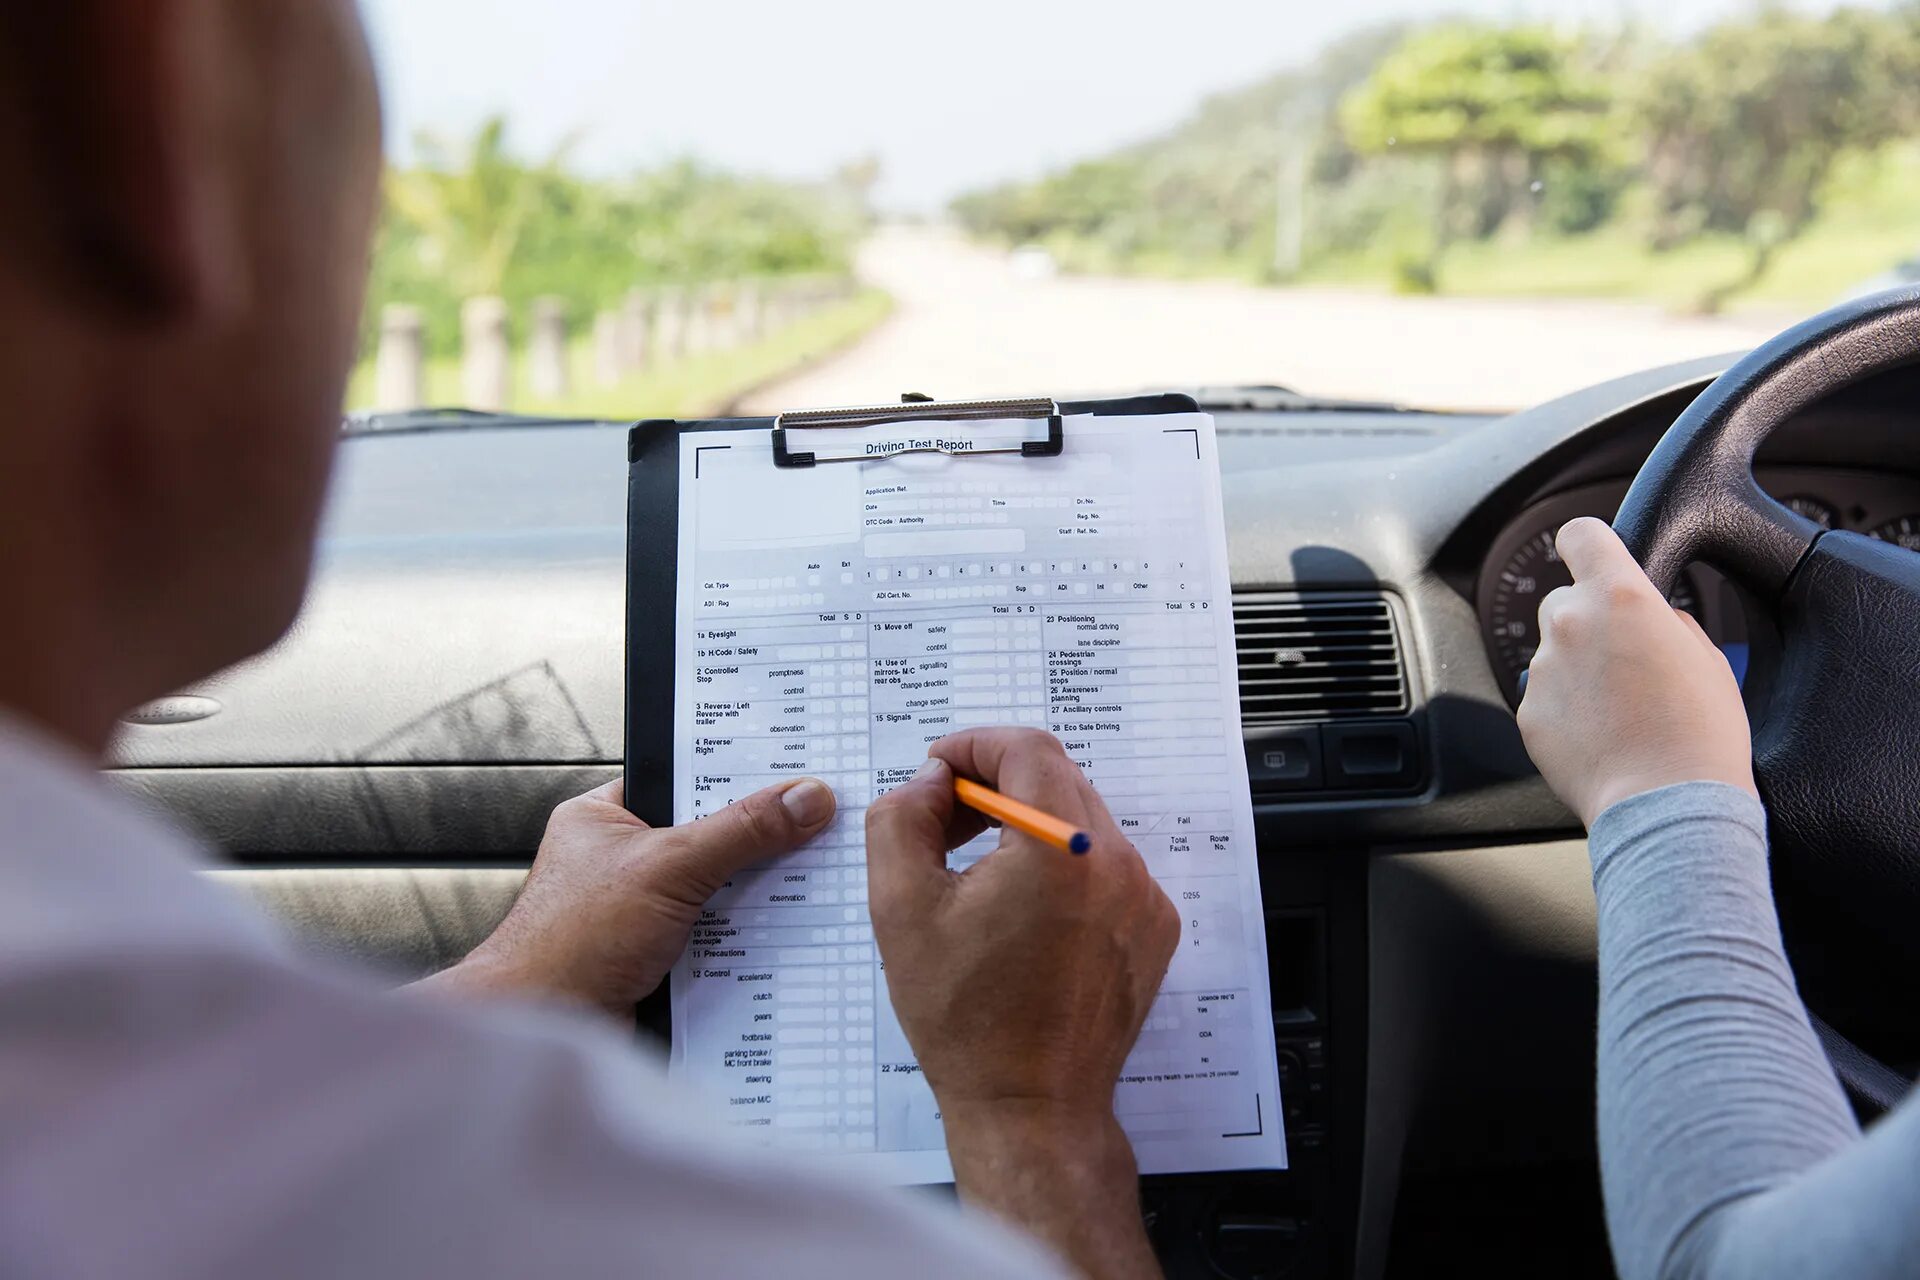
pixel 950 96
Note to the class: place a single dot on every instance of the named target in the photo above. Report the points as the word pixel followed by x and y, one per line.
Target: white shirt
pixel 182 1095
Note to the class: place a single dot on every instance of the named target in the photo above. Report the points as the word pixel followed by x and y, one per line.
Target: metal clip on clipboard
pixel 911 410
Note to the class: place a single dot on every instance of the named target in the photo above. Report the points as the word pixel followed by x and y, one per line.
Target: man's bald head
pixel 183 243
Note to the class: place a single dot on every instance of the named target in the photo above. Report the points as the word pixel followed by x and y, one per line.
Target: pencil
pixel 1063 836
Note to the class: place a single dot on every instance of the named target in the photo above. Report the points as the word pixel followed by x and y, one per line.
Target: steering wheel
pixel 1836 748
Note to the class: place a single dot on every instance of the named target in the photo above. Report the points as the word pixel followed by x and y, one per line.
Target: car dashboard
pixel 384 773
pixel 1521 565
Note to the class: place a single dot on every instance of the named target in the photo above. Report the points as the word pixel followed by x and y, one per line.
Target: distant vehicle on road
pixel 1033 262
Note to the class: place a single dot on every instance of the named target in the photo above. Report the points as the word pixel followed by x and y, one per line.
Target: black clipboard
pixel 653 561
pixel 653 558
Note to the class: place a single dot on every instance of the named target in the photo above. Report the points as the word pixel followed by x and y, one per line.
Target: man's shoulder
pixel 84 870
pixel 248 1106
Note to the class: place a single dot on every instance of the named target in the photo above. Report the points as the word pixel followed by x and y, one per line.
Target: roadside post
pixel 485 361
pixel 609 348
pixel 400 367
pixel 636 332
pixel 548 374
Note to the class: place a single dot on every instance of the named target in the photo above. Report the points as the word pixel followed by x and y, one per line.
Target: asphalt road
pixel 969 324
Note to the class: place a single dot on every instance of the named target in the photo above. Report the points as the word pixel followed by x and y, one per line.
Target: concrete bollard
pixel 636 331
pixel 549 372
pixel 722 318
pixel 670 325
pixel 793 300
pixel 775 308
pixel 400 367
pixel 698 335
pixel 811 293
pixel 609 348
pixel 746 311
pixel 485 360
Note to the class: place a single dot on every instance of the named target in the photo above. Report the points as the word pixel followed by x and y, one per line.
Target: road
pixel 967 324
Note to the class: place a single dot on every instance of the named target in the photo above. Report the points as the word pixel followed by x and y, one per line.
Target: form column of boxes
pixel 998 675
pixel 839 703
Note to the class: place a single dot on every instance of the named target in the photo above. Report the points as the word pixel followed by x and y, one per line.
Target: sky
pixel 950 97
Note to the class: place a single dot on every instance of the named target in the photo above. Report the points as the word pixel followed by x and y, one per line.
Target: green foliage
pixel 470 205
pixel 1414 275
pixel 1744 126
pixel 1591 155
pixel 1081 201
pixel 1518 90
pixel 1496 105
pixel 1870 219
pixel 1576 198
pixel 1202 196
pixel 1378 204
pixel 472 219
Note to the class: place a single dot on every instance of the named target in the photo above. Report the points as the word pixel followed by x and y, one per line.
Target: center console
pixel 1294 1223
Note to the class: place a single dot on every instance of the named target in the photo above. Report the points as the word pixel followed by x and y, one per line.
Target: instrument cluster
pixel 1521 565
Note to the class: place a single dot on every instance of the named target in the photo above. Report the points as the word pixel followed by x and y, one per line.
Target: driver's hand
pixel 611 901
pixel 1626 693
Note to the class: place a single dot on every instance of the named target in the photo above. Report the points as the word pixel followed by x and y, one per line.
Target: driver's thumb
pixel 757 828
pixel 1593 552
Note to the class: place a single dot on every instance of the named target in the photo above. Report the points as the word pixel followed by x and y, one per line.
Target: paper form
pixel 833 621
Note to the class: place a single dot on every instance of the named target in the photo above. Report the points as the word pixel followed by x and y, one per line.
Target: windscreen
pixel 598 207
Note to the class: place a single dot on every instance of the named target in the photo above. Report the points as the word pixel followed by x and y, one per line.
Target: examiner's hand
pixel 610 902
pixel 1626 693
pixel 1022 985
pixel 1026 978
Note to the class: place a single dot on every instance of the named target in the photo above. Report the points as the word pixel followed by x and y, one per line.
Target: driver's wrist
pixel 1617 790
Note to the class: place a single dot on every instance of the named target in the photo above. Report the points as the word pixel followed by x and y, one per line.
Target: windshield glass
pixel 596 207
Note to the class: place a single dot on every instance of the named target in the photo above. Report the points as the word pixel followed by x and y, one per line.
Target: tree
pixel 1495 106
pixel 1201 196
pixel 471 209
pixel 1743 126
pixel 472 219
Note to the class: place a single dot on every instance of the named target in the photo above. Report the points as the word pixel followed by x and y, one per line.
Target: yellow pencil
pixel 1063 836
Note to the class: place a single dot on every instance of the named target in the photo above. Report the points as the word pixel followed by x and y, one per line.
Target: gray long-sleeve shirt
pixel 1726 1146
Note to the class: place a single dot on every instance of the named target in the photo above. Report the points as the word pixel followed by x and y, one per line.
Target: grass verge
pixel 1869 220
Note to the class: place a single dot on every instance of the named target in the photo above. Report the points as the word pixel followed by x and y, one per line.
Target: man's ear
pixel 137 147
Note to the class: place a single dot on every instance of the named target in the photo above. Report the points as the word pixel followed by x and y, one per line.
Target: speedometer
pixel 1818 510
pixel 1512 607
pixel 1901 531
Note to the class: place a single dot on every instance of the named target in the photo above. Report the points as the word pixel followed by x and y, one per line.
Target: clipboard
pixel 653 560
pixel 661 453
pixel 653 543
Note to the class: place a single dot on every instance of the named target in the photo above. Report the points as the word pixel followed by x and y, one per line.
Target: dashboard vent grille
pixel 1305 658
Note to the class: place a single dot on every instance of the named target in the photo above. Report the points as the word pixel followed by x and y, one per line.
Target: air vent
pixel 1311 658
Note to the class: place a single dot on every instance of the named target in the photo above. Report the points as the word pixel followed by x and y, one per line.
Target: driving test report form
pixel 832 622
